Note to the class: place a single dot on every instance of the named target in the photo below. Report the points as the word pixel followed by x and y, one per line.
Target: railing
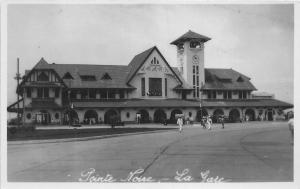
pixel 43 99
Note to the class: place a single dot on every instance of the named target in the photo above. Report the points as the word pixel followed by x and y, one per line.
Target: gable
pixel 153 64
pixel 42 75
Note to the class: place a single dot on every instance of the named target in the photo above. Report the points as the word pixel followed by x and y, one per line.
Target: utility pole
pixel 18 77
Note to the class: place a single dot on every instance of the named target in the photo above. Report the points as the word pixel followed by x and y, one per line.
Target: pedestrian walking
pixel 222 121
pixel 209 122
pixel 180 123
pixel 202 122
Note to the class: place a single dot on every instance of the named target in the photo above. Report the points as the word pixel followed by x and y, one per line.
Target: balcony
pixel 43 99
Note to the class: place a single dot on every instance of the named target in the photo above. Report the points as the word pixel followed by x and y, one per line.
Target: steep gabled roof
pixel 140 59
pixel 226 79
pixel 190 35
pixel 118 73
pixel 137 62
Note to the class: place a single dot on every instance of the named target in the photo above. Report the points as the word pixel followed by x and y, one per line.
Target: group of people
pixel 206 122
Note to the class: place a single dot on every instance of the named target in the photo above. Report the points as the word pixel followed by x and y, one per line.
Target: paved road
pixel 240 152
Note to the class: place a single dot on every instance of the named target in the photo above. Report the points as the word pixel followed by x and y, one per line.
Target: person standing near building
pixel 222 121
pixel 180 123
pixel 209 122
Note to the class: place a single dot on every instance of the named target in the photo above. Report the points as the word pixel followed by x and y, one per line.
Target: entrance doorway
pixel 110 116
pixel 144 116
pixel 173 117
pixel 234 116
pixel 43 117
pixel 159 116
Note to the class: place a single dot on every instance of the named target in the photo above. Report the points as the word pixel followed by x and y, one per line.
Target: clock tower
pixel 190 59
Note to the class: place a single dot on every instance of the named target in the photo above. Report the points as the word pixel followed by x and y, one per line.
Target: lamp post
pixel 18 77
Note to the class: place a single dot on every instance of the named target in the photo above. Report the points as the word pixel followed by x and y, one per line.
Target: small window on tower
pixel 195 45
pixel 180 46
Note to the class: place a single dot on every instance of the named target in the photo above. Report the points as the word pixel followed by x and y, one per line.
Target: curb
pixel 77 139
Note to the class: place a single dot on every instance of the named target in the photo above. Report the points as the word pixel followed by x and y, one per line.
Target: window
pixel 88 78
pixel 67 76
pixel 28 90
pixel 240 79
pixel 28 116
pixel 197 81
pixel 229 95
pixel 56 115
pixel 193 69
pixel 46 92
pixel 197 92
pixel 180 46
pixel 154 61
pixel 166 87
pixel 155 87
pixel 43 92
pixel 43 77
pixel 103 94
pixel 194 92
pixel 214 94
pixel 84 94
pixel 111 94
pixel 92 93
pixel 197 69
pixel 195 44
pixel 106 76
pixel 242 94
pixel 56 92
pixel 121 94
pixel 73 94
pixel 209 94
pixel 40 92
pixel 143 86
pixel 194 83
pixel 127 114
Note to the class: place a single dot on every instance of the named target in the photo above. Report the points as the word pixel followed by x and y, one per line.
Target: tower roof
pixel 190 35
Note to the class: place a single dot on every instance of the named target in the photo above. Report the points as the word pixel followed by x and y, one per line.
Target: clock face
pixel 195 59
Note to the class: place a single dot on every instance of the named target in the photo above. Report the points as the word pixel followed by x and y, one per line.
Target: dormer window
pixel 67 76
pixel 240 79
pixel 43 77
pixel 154 61
pixel 88 78
pixel 195 45
pixel 106 76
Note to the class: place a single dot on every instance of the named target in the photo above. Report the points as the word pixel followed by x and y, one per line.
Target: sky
pixel 256 40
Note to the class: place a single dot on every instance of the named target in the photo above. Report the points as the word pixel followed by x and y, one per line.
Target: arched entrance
pixel 270 115
pixel 250 115
pixel 144 116
pixel 234 115
pixel 173 115
pixel 90 117
pixel 217 114
pixel 159 116
pixel 70 117
pixel 110 116
pixel 200 114
pixel 43 117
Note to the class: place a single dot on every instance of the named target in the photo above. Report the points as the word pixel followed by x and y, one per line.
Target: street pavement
pixel 242 152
